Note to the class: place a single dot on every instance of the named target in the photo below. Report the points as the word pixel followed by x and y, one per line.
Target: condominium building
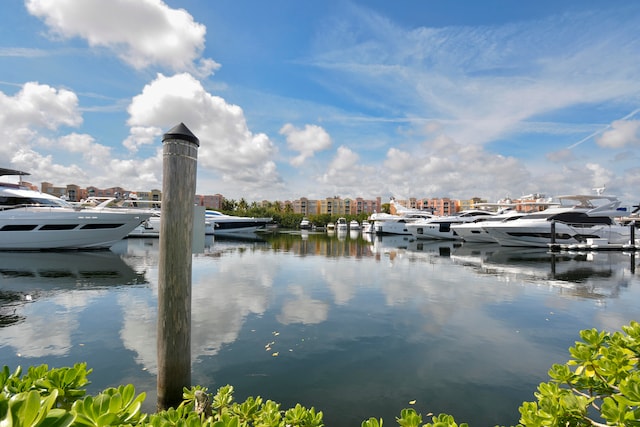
pixel 336 206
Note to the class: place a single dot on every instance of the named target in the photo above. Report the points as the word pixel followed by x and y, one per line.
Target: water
pixel 355 328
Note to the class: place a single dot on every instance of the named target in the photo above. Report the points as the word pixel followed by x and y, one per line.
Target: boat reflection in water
pixel 592 274
pixel 43 293
pixel 74 270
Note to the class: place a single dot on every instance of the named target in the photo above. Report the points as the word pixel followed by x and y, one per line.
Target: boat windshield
pixel 11 201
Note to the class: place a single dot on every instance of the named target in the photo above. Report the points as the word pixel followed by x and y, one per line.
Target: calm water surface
pixel 355 327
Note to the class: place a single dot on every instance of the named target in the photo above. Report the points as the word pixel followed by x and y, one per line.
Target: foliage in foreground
pixel 598 386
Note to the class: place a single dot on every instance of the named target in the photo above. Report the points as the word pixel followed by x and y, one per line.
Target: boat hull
pixel 34 228
pixel 391 227
pixel 472 232
pixel 537 234
pixel 221 224
pixel 433 231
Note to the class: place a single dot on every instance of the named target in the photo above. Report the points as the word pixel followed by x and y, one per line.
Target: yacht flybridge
pixel 31 220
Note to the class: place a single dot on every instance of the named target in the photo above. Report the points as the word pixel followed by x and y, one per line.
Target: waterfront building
pixel 443 206
pixel 305 206
pixel 335 206
pixel 210 201
pixel 70 192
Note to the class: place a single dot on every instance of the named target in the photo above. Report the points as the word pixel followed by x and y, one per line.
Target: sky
pixel 361 98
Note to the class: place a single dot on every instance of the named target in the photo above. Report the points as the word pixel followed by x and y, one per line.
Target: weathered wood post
pixel 179 163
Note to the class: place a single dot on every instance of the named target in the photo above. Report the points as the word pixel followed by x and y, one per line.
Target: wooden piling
pixel 180 150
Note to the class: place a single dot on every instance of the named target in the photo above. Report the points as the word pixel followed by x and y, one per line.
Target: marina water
pixel 355 326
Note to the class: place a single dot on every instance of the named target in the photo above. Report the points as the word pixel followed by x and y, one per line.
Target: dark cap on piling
pixel 181 132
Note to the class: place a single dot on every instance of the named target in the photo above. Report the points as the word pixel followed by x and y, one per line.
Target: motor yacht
pixel 151 226
pixel 32 220
pixel 474 232
pixel 341 224
pixel 396 223
pixel 576 219
pixel 505 210
pixel 386 224
pixel 354 225
pixel 440 227
pixel 222 224
pixel 305 224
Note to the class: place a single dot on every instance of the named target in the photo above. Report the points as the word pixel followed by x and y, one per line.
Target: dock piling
pixel 180 150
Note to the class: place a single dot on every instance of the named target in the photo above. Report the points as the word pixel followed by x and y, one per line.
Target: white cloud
pixel 141 135
pixel 40 106
pixel 27 121
pixel 306 141
pixel 621 134
pixel 347 177
pixel 345 159
pixel 139 32
pixel 400 161
pixel 227 146
pixel 600 175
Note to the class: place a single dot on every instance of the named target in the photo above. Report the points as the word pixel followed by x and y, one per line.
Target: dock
pixel 596 245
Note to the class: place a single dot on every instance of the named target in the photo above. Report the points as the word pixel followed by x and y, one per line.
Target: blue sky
pixel 415 98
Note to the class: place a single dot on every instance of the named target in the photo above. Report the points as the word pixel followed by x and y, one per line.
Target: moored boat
pixel 577 219
pixel 440 227
pixel 32 220
pixel 230 224
pixel 305 224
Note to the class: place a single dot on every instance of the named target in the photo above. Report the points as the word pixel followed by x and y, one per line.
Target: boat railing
pixel 29 205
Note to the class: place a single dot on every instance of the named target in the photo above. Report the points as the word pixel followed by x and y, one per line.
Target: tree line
pixel 283 214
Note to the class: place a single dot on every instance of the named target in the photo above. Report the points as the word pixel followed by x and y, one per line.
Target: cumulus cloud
pixel 139 32
pixel 346 175
pixel 227 146
pixel 621 134
pixel 94 154
pixel 306 141
pixel 600 175
pixel 33 122
pixel 398 160
pixel 345 159
pixel 30 120
pixel 39 106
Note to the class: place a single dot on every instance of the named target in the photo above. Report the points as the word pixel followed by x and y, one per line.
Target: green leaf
pixel 57 418
pixel 372 422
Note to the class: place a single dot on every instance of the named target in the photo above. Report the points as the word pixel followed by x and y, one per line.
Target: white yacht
pixel 396 224
pixel 305 224
pixel 474 232
pixel 385 224
pixel 341 224
pixel 577 219
pixel 229 224
pixel 505 210
pixel 31 220
pixel 354 225
pixel 440 227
